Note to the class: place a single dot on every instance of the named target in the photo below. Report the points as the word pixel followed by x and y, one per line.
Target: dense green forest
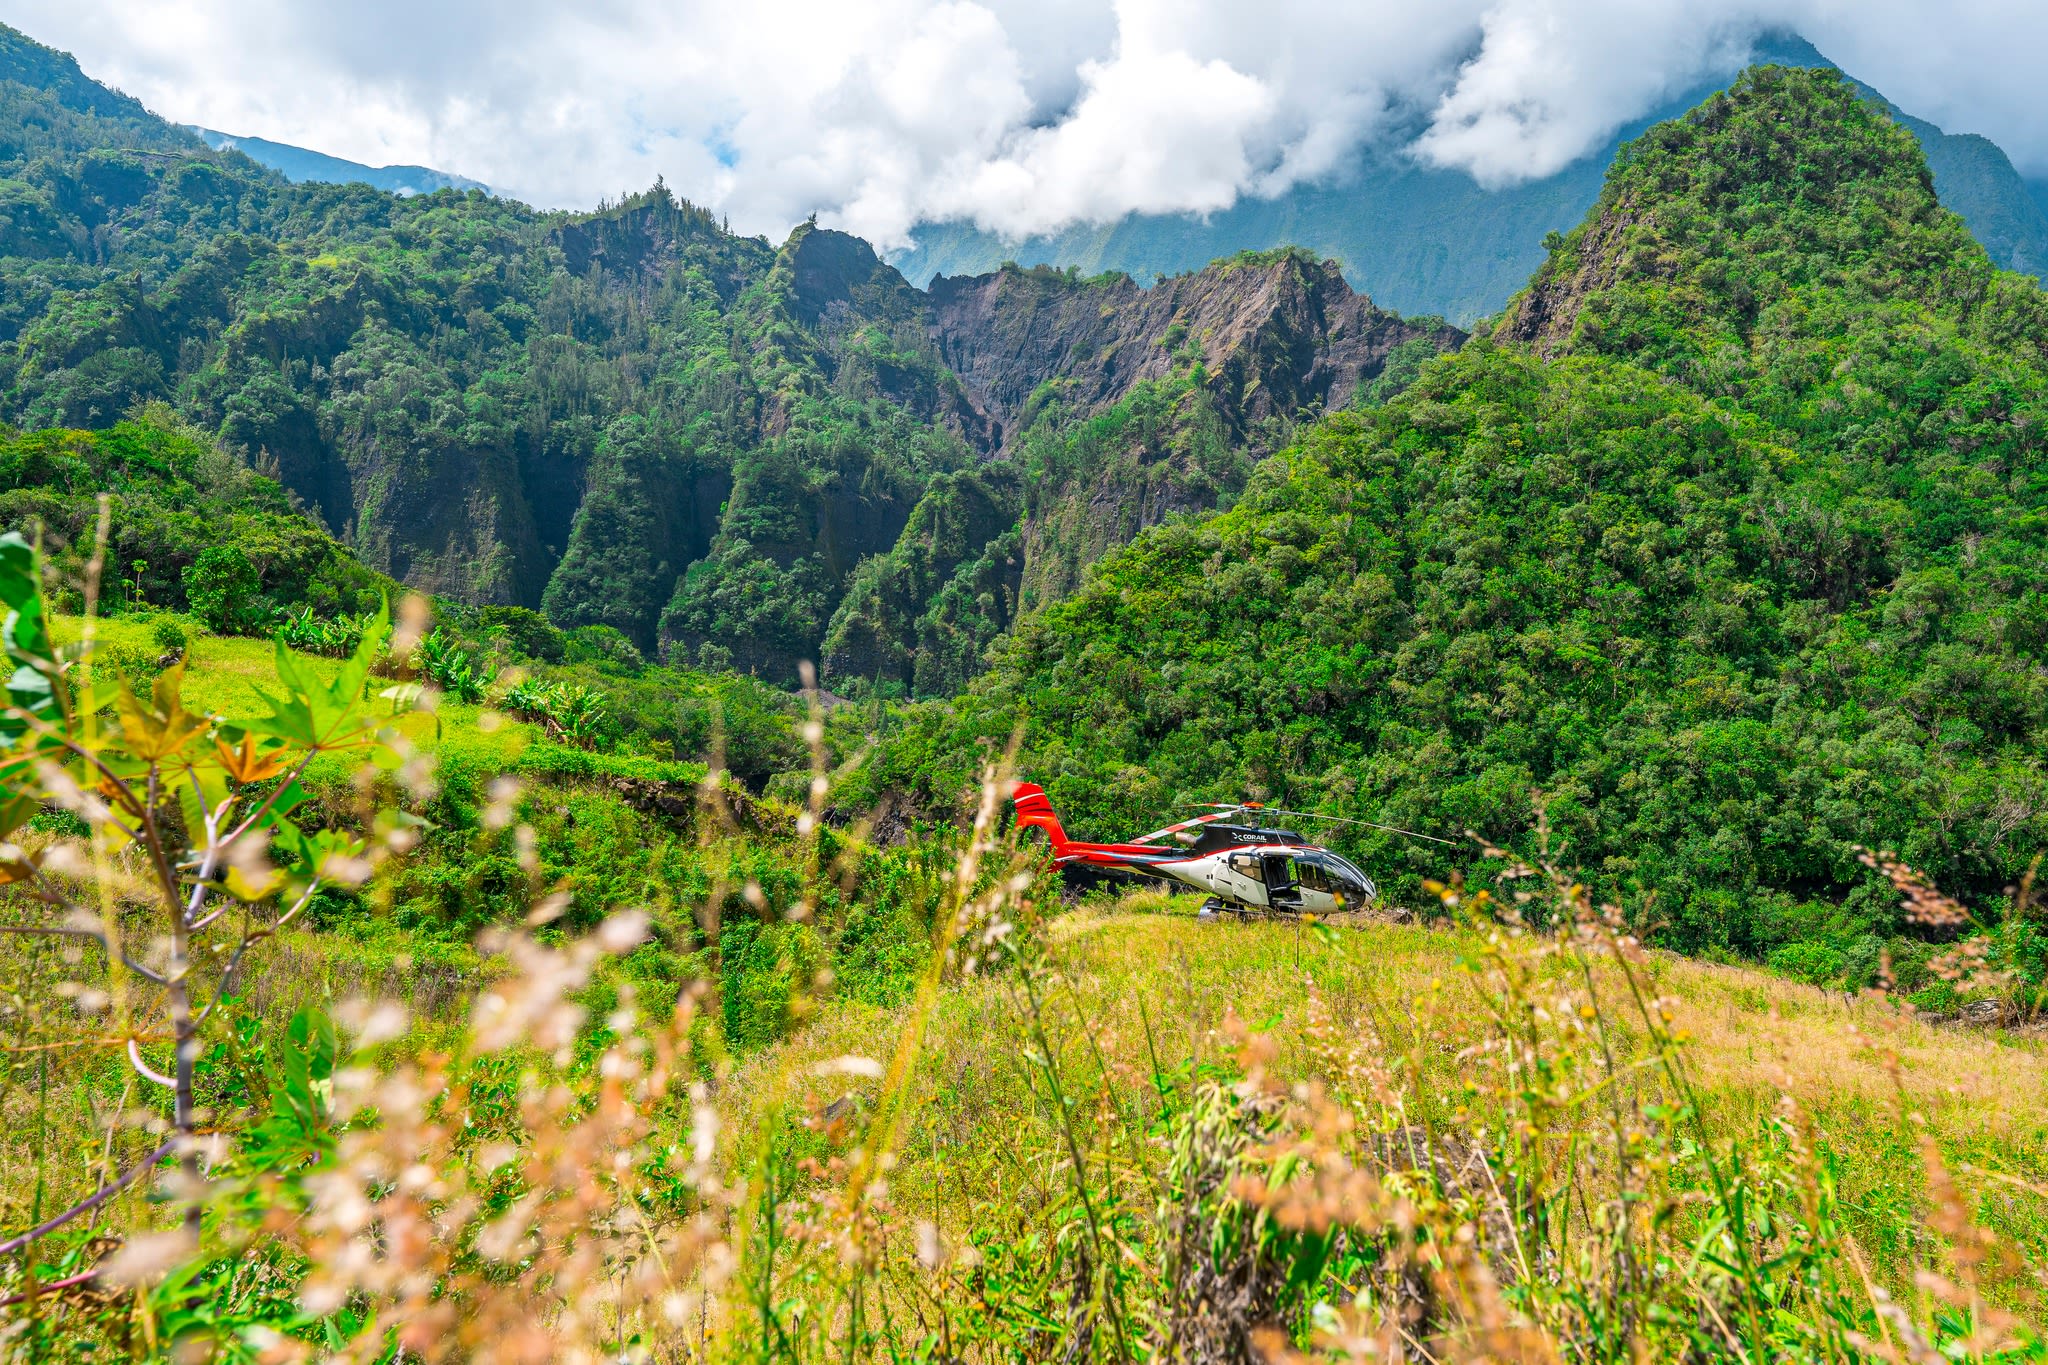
pixel 1729 542
pixel 1725 539
pixel 629 418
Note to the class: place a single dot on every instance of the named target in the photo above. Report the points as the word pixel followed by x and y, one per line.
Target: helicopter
pixel 1245 868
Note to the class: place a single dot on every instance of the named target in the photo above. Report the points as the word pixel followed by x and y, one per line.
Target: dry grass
pixel 1159 985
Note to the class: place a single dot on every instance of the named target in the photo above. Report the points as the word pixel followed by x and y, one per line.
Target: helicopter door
pixel 1283 891
pixel 1247 879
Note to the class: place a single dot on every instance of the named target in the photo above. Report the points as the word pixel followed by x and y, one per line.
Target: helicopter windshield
pixel 1346 878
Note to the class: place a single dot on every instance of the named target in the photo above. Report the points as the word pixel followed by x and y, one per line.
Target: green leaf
pixel 31 683
pixel 322 715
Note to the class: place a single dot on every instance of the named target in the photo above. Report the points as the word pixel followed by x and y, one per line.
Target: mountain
pixel 1424 241
pixel 299 164
pixel 1728 541
pixel 730 451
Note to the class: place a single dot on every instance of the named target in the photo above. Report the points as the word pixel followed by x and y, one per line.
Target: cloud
pixel 1019 115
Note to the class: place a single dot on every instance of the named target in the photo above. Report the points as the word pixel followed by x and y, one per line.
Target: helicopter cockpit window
pixel 1311 873
pixel 1345 871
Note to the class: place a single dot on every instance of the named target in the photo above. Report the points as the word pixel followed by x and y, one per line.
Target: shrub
pixel 525 632
pixel 1814 963
pixel 223 591
pixel 169 634
pixel 336 637
pixel 575 714
pixel 602 645
pixel 449 667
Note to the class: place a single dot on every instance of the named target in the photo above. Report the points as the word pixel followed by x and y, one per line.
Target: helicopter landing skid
pixel 1216 908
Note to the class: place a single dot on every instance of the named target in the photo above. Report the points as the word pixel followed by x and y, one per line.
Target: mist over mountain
pixel 301 164
pixel 1421 240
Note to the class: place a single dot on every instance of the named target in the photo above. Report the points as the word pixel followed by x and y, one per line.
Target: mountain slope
pixel 300 163
pixel 634 418
pixel 1428 241
pixel 1730 544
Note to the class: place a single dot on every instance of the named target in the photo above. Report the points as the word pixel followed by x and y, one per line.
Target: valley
pixel 505 846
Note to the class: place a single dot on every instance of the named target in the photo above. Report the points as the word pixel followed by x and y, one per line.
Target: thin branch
pixel 213 847
pixel 60 931
pixel 92 1201
pixel 52 1287
pixel 282 787
pixel 135 1057
pixel 250 940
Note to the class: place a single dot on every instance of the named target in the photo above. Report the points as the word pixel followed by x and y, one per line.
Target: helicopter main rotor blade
pixel 1369 824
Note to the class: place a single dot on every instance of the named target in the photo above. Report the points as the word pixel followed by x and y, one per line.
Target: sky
pixel 1019 115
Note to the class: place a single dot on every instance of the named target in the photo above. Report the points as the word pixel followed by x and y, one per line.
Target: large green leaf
pixel 319 714
pixel 31 683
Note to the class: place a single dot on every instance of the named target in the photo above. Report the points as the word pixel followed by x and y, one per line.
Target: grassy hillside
pixel 1138 1003
pixel 750 1088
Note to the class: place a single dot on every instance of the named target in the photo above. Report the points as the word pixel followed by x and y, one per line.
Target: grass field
pixel 1142 988
pixel 229 675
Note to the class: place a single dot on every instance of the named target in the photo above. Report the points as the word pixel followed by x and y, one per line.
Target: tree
pixel 222 590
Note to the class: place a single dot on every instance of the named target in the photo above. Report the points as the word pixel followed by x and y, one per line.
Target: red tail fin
pixel 1034 807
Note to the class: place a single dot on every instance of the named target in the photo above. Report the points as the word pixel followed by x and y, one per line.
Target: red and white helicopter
pixel 1243 868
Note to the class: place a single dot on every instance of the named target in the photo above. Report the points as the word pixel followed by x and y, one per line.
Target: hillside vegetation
pixel 632 417
pixel 1728 543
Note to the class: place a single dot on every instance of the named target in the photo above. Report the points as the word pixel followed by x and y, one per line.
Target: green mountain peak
pixel 1710 225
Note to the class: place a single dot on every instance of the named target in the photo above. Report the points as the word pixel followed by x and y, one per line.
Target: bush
pixel 1814 963
pixel 336 637
pixel 223 591
pixel 601 645
pixel 575 714
pixel 525 633
pixel 752 722
pixel 169 634
pixel 441 661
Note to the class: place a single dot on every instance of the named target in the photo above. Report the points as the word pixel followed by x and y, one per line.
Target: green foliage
pixel 1815 963
pixel 336 637
pixel 1748 576
pixel 453 669
pixel 174 496
pixel 751 725
pixel 223 592
pixel 573 714
pixel 525 633
pixel 604 646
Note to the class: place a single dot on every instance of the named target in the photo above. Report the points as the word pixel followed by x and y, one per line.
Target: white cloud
pixel 1022 115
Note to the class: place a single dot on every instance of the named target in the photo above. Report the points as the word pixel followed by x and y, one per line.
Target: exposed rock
pixel 1546 312
pixel 1277 331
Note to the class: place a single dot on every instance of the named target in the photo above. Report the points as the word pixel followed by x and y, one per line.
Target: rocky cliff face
pixel 1106 408
pixel 1276 332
